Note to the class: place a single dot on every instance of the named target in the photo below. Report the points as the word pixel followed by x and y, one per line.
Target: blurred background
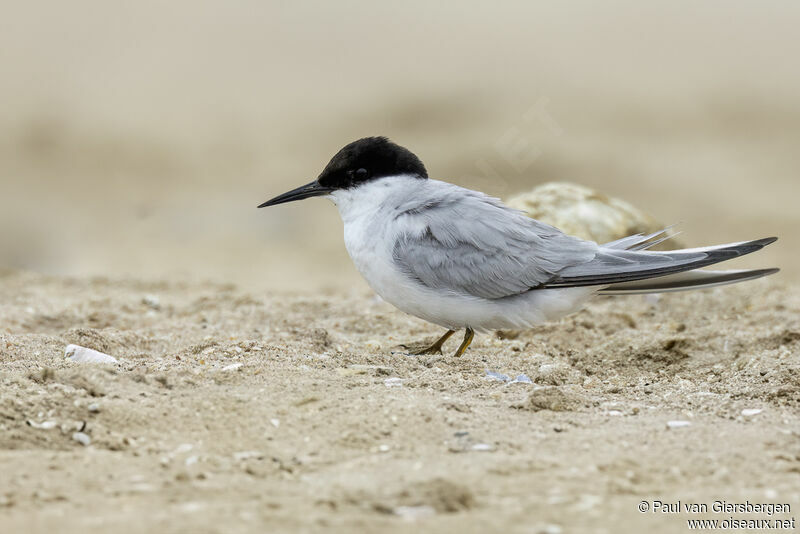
pixel 136 139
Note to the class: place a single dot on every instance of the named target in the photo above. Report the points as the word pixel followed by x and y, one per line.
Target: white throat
pixel 371 228
pixel 375 197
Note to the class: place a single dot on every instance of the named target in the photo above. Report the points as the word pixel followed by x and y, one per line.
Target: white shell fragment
pixel 232 367
pixel 749 412
pixel 413 513
pixel 500 377
pixel 79 354
pixel 677 424
pixel 580 211
pixel 393 382
pixel 44 425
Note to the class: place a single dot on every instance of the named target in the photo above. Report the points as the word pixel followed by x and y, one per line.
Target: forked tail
pixel 626 267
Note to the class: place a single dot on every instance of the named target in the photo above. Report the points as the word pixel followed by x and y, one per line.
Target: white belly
pixel 370 250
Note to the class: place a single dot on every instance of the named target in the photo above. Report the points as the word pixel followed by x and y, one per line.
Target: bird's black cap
pixel 361 161
pixel 368 159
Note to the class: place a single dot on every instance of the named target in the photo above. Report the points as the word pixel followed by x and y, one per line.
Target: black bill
pixel 314 189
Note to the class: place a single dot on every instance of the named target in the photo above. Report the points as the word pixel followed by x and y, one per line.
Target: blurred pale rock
pixel 585 213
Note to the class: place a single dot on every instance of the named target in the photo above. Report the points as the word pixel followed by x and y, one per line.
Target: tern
pixel 461 259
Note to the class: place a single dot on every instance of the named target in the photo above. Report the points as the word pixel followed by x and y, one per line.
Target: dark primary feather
pixel 612 266
pixel 696 279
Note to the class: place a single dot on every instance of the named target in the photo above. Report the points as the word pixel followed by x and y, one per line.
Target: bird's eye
pixel 362 174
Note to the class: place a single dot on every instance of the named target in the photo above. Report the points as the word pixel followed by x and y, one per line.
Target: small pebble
pixel 678 424
pixel 615 413
pixel 373 344
pixel 93 407
pixel 652 299
pixel 500 377
pixel 379 369
pixel 82 438
pixel 275 422
pixel 192 507
pixel 152 302
pixel 341 371
pixel 246 455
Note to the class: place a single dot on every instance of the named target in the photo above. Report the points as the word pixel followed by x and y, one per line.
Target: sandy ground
pixel 235 411
pixel 136 140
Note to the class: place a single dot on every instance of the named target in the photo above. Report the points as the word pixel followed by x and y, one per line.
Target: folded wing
pixel 468 243
pixel 471 244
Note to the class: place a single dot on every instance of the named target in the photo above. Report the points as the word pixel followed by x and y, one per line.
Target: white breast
pixel 370 231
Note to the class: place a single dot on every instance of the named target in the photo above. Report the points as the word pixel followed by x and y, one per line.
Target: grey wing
pixel 471 244
pixel 465 242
